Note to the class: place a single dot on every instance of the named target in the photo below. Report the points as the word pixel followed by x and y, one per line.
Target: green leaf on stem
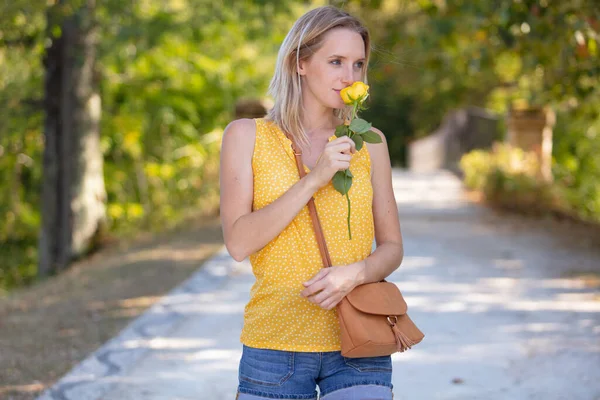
pixel 341 130
pixel 342 182
pixel 371 137
pixel 358 140
pixel 359 125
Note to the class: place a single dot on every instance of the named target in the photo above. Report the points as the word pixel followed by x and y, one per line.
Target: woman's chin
pixel 339 103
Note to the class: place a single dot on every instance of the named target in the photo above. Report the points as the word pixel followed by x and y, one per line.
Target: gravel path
pixel 504 315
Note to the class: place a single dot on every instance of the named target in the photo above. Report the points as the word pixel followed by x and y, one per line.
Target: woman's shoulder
pixel 379 154
pixel 377 147
pixel 379 133
pixel 239 137
pixel 241 128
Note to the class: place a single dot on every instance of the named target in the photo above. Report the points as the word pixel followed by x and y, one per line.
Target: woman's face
pixel 337 64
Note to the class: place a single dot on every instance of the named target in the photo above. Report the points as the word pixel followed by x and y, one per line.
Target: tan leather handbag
pixel 373 319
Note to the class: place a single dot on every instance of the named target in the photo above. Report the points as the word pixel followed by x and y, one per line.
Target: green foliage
pixel 21 93
pixel 508 177
pixel 576 166
pixel 169 74
pixel 391 114
pixel 431 57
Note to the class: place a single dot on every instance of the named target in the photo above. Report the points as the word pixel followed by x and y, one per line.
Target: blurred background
pixel 111 112
pixel 130 99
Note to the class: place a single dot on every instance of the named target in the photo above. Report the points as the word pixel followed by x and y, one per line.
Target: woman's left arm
pixel 330 285
pixel 389 253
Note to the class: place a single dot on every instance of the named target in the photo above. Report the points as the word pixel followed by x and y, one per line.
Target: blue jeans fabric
pixel 276 374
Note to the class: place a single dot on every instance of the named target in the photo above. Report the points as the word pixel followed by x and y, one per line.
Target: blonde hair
pixel 306 36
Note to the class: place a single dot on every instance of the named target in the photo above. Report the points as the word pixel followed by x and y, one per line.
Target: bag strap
pixel 312 209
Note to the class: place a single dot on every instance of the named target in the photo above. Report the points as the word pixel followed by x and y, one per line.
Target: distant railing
pixel 461 131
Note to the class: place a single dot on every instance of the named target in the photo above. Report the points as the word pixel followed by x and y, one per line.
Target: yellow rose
pixel 346 93
pixel 357 92
pixel 360 89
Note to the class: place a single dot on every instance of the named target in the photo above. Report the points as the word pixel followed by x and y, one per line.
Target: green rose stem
pixel 359 131
pixel 349 232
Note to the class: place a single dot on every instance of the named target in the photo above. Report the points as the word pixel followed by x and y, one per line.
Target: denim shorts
pixel 276 374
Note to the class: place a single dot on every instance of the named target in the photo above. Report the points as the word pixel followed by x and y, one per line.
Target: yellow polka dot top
pixel 276 316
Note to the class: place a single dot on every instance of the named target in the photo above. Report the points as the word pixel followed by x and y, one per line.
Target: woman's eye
pixel 358 64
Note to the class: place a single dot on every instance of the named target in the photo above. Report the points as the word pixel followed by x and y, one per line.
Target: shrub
pixel 508 177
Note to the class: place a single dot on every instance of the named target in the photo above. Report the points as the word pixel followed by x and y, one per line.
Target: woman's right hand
pixel 336 157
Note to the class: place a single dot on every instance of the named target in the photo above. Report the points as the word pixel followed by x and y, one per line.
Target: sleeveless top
pixel 277 316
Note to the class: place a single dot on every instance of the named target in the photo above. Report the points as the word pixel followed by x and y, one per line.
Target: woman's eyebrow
pixel 338 56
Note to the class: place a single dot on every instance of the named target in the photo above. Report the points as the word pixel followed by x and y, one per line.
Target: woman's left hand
pixel 330 285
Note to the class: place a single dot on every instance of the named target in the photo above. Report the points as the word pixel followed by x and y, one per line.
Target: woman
pixel 290 335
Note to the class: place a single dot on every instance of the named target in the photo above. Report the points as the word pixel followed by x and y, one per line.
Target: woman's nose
pixel 348 77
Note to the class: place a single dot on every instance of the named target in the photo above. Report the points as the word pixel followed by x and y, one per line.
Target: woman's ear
pixel 301 69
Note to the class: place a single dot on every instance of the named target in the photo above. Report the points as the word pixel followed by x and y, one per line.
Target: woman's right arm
pixel 245 231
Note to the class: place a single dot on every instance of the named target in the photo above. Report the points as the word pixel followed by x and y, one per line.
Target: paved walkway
pixel 499 320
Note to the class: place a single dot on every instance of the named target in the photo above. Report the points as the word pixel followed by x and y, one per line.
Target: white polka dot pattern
pixel 277 317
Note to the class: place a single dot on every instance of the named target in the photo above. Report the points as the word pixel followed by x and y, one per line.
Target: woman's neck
pixel 316 126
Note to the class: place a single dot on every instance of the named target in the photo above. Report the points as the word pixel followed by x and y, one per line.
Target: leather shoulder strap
pixel 312 209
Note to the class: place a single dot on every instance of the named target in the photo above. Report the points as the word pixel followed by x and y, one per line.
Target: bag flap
pixel 381 298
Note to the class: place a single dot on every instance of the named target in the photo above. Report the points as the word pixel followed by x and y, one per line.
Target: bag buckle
pixel 390 321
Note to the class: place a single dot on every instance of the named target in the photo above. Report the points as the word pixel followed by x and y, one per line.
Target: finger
pixel 329 304
pixel 344 157
pixel 344 143
pixel 320 275
pixel 313 298
pixel 342 165
pixel 350 142
pixel 346 146
pixel 321 297
pixel 352 146
pixel 314 288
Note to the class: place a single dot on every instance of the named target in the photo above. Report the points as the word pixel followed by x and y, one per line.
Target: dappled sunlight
pixel 123 313
pixel 537 327
pixel 125 308
pixel 498 282
pixel 482 354
pixel 229 307
pixel 434 287
pixel 539 344
pixel 170 343
pixel 229 358
pixel 165 253
pixel 183 363
pixel 213 302
pixel 452 306
pixel 573 283
pixel 488 318
pixel 137 302
pixel 144 301
pixel 31 388
pixel 174 253
pixel 550 305
pixel 410 262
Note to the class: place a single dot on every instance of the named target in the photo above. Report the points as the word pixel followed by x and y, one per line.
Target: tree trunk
pixel 73 192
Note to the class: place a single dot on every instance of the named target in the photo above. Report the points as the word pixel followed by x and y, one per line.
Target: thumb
pixel 320 275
